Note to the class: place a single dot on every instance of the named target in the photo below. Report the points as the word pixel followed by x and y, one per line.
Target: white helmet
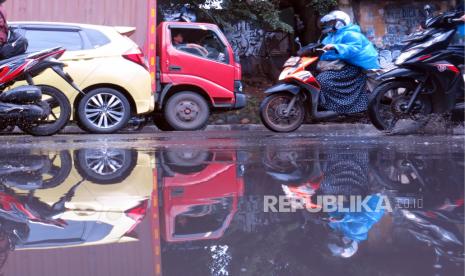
pixel 334 20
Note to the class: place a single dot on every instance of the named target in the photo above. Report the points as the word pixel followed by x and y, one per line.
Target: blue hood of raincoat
pixel 352 47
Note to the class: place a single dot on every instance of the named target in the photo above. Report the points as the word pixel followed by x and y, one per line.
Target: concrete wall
pixel 101 12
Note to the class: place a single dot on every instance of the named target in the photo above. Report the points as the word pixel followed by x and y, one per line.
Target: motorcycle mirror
pixel 428 10
pixel 297 41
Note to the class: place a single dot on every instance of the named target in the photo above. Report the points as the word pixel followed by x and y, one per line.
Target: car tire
pixel 92 108
pixel 187 111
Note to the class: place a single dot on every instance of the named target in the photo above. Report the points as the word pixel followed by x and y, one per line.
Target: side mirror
pixel 428 10
pixel 297 41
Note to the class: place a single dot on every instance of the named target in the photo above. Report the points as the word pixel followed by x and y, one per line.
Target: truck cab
pixel 197 75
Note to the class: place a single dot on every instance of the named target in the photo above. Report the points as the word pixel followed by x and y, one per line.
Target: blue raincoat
pixel 352 47
pixel 356 225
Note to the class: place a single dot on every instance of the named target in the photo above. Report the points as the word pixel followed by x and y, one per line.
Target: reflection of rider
pixel 344 90
pixel 347 175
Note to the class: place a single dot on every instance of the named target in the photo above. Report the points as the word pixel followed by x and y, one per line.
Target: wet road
pixel 194 204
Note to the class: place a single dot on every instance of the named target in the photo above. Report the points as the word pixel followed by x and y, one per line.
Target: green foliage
pixel 263 12
pixel 322 6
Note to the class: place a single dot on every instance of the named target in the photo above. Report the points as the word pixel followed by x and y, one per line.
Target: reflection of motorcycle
pixel 317 174
pixel 29 171
pixel 18 211
pixel 429 197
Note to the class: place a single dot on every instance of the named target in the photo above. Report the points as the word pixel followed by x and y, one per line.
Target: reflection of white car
pixel 97 213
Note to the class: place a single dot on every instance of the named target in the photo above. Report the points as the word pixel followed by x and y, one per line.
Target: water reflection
pixel 49 202
pixel 194 211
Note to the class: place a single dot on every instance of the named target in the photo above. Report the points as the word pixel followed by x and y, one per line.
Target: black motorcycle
pixel 426 80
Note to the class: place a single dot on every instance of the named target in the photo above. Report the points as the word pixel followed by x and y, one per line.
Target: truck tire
pixel 104 111
pixel 187 111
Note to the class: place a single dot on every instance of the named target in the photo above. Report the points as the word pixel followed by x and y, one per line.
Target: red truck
pixel 193 67
pixel 197 73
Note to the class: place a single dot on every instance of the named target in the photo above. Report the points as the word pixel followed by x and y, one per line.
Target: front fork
pixel 414 97
pixel 291 105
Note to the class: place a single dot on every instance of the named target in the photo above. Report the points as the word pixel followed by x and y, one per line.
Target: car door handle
pixel 175 68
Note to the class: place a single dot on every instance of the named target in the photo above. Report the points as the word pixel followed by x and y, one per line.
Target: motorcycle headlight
pixel 291 62
pixel 406 56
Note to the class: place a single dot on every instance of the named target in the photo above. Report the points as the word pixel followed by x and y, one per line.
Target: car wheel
pixel 105 166
pixel 104 110
pixel 187 111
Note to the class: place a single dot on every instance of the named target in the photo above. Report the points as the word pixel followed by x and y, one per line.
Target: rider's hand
pixel 329 47
pixel 463 18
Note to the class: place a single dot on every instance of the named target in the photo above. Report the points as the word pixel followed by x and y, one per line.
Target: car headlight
pixel 406 56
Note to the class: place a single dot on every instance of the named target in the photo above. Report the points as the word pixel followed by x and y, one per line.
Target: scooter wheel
pixel 272 113
pixel 60 114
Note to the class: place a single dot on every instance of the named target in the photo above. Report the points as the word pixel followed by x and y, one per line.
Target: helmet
pixel 334 20
pixel 344 248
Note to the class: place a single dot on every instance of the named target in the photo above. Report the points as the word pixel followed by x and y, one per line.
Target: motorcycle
pixel 296 96
pixel 38 110
pixel 426 78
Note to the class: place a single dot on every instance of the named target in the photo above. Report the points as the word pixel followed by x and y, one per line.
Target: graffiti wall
pixel 260 52
pixel 387 23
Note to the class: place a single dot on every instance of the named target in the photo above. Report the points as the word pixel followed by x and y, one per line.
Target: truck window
pixel 43 39
pixel 202 43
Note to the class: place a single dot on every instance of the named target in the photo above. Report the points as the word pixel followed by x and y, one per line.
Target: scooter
pixel 296 96
pixel 426 79
pixel 35 109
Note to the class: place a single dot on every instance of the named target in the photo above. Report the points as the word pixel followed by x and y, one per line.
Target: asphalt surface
pixel 193 203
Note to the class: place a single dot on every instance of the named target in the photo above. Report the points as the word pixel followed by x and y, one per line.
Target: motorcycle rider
pixel 344 90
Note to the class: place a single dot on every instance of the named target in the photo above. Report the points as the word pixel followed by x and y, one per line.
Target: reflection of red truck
pixel 199 202
pixel 195 197
pixel 192 78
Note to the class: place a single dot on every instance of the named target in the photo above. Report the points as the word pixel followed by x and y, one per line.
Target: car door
pixel 203 53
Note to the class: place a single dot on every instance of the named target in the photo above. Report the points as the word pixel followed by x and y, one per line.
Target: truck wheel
pixel 187 111
pixel 103 111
